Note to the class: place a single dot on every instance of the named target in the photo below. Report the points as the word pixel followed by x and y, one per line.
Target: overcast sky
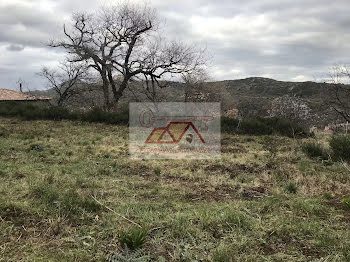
pixel 295 40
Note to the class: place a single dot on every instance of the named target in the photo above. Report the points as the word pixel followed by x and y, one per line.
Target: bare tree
pixel 22 85
pixel 64 79
pixel 292 108
pixel 124 40
pixel 195 85
pixel 337 96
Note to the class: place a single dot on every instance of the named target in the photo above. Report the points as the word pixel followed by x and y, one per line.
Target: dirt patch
pixel 254 193
pixel 219 193
pixel 136 169
pixel 277 245
pixel 234 170
pixel 181 179
pixel 237 149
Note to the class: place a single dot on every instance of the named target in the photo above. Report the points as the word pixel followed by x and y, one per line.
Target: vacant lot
pixel 68 191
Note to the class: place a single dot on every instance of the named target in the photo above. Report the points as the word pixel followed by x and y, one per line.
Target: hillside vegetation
pixel 252 96
pixel 69 192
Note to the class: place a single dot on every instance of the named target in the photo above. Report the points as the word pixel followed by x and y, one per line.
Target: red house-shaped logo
pixel 172 133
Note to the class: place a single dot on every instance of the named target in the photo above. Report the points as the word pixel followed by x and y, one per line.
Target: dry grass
pixel 233 209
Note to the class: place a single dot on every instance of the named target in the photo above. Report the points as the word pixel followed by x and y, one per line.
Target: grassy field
pixel 69 192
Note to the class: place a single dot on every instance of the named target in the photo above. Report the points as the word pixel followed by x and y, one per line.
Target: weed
pixel 157 171
pixel 328 196
pixel 133 238
pixel 291 187
pixel 36 147
pixel 346 202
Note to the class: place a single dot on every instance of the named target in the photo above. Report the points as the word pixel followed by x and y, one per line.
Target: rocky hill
pixel 266 87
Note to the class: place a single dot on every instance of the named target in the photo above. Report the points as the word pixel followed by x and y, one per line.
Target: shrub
pixel 340 146
pixel 133 238
pixel 100 116
pixel 263 126
pixel 229 125
pixel 285 127
pixel 255 127
pixel 29 111
pixel 59 113
pixel 315 150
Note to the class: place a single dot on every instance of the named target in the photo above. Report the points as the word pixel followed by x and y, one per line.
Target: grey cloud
pixel 287 40
pixel 15 48
pixel 27 25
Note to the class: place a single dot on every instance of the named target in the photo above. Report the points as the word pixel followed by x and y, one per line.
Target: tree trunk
pixel 105 87
pixel 117 93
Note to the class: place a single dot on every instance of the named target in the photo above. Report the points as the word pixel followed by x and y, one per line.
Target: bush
pixel 229 125
pixel 59 113
pixel 315 150
pixel 285 127
pixel 255 127
pixel 133 238
pixel 263 126
pixel 340 146
pixel 100 116
pixel 28 111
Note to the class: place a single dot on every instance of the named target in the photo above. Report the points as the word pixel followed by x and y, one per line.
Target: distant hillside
pixel 252 96
pixel 265 87
pixel 252 86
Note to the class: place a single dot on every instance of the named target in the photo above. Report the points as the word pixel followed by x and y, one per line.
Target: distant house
pixel 7 95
